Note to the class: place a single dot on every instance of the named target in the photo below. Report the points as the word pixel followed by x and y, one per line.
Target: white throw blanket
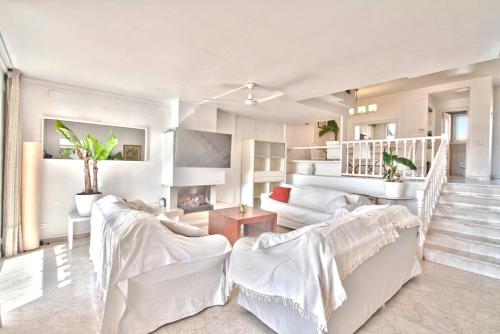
pixel 304 268
pixel 135 242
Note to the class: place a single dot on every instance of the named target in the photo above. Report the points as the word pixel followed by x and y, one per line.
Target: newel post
pixel 421 231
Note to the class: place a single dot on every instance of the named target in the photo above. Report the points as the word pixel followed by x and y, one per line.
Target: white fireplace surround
pixel 171 195
pixel 188 116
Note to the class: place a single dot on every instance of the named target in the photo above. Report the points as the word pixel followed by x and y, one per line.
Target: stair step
pixel 460 210
pixel 471 207
pixel 466 226
pixel 472 188
pixel 469 243
pixel 475 263
pixel 470 198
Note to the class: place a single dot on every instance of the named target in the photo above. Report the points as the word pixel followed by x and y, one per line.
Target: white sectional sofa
pixel 310 205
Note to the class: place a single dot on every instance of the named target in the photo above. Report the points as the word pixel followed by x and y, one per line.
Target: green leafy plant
pixel 331 126
pixel 391 163
pixel 116 156
pixel 66 152
pixel 89 150
pixel 99 151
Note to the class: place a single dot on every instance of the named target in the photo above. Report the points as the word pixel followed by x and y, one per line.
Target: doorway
pixel 450 114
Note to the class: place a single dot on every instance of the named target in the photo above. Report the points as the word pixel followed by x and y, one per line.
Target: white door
pixel 446 125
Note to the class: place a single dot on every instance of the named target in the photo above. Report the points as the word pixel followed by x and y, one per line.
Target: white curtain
pixel 11 229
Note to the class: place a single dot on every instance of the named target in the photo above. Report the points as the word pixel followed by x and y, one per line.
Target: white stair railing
pixel 428 194
pixel 364 157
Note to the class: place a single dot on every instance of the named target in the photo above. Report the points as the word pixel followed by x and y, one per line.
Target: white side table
pixel 74 218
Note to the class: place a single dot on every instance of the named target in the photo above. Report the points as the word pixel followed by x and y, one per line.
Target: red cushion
pixel 281 194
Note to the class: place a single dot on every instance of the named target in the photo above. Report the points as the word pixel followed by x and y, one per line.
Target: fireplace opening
pixel 194 199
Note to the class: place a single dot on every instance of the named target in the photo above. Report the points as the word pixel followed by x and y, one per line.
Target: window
pixel 375 131
pixel 460 127
pixel 391 131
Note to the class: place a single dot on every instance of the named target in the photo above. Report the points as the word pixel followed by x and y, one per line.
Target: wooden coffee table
pixel 229 222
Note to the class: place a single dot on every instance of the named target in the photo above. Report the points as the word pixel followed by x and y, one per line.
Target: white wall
pixel 409 109
pixel 61 179
pixel 308 134
pixel 3 71
pixel 207 118
pixel 496 134
pixel 242 128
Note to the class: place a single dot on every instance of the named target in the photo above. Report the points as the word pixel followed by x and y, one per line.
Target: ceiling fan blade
pixel 271 97
pixel 217 100
pixel 223 100
pixel 216 97
pixel 229 92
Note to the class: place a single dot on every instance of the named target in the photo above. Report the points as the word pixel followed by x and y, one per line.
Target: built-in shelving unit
pixel 315 160
pixel 263 168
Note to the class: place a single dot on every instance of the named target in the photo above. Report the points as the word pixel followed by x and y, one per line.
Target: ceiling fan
pixel 249 101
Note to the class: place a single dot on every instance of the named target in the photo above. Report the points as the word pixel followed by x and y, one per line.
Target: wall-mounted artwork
pixel 132 152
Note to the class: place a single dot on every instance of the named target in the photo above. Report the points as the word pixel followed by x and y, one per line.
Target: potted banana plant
pixel 90 151
pixel 393 185
pixel 331 127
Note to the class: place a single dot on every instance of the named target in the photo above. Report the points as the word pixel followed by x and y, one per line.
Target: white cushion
pixel 298 213
pixel 318 199
pixel 183 229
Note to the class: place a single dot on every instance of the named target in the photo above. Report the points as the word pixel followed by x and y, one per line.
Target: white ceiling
pixel 197 49
pixel 487 68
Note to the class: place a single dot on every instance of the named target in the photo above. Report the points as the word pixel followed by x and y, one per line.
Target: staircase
pixel 465 229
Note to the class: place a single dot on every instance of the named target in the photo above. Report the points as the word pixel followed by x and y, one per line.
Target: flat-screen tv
pixel 202 149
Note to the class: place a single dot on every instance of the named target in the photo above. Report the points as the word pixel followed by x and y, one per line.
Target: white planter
pixel 395 189
pixel 333 153
pixel 84 203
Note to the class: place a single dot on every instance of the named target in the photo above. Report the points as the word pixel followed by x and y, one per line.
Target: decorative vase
pixel 84 203
pixel 394 189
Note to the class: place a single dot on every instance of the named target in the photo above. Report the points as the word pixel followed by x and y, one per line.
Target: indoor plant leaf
pixel 106 149
pixel 68 134
pixel 406 162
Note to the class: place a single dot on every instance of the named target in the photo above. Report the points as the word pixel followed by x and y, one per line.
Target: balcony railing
pixel 365 157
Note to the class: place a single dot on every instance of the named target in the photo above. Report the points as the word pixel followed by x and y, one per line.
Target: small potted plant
pixel 331 127
pixel 393 185
pixel 90 151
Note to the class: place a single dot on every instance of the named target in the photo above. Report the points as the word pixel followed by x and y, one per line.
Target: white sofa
pixel 148 274
pixel 311 205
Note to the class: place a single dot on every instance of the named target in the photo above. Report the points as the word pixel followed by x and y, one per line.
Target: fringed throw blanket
pixel 305 268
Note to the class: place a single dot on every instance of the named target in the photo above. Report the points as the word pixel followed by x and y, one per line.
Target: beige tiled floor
pixel 51 291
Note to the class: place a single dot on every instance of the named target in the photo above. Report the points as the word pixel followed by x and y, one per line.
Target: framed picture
pixel 132 152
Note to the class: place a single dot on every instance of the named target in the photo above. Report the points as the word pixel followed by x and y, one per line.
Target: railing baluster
pixel 424 150
pixel 353 158
pixel 359 157
pixel 404 155
pixel 373 157
pixel 381 158
pixel 433 141
pixel 413 156
pixel 347 158
pixel 367 148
